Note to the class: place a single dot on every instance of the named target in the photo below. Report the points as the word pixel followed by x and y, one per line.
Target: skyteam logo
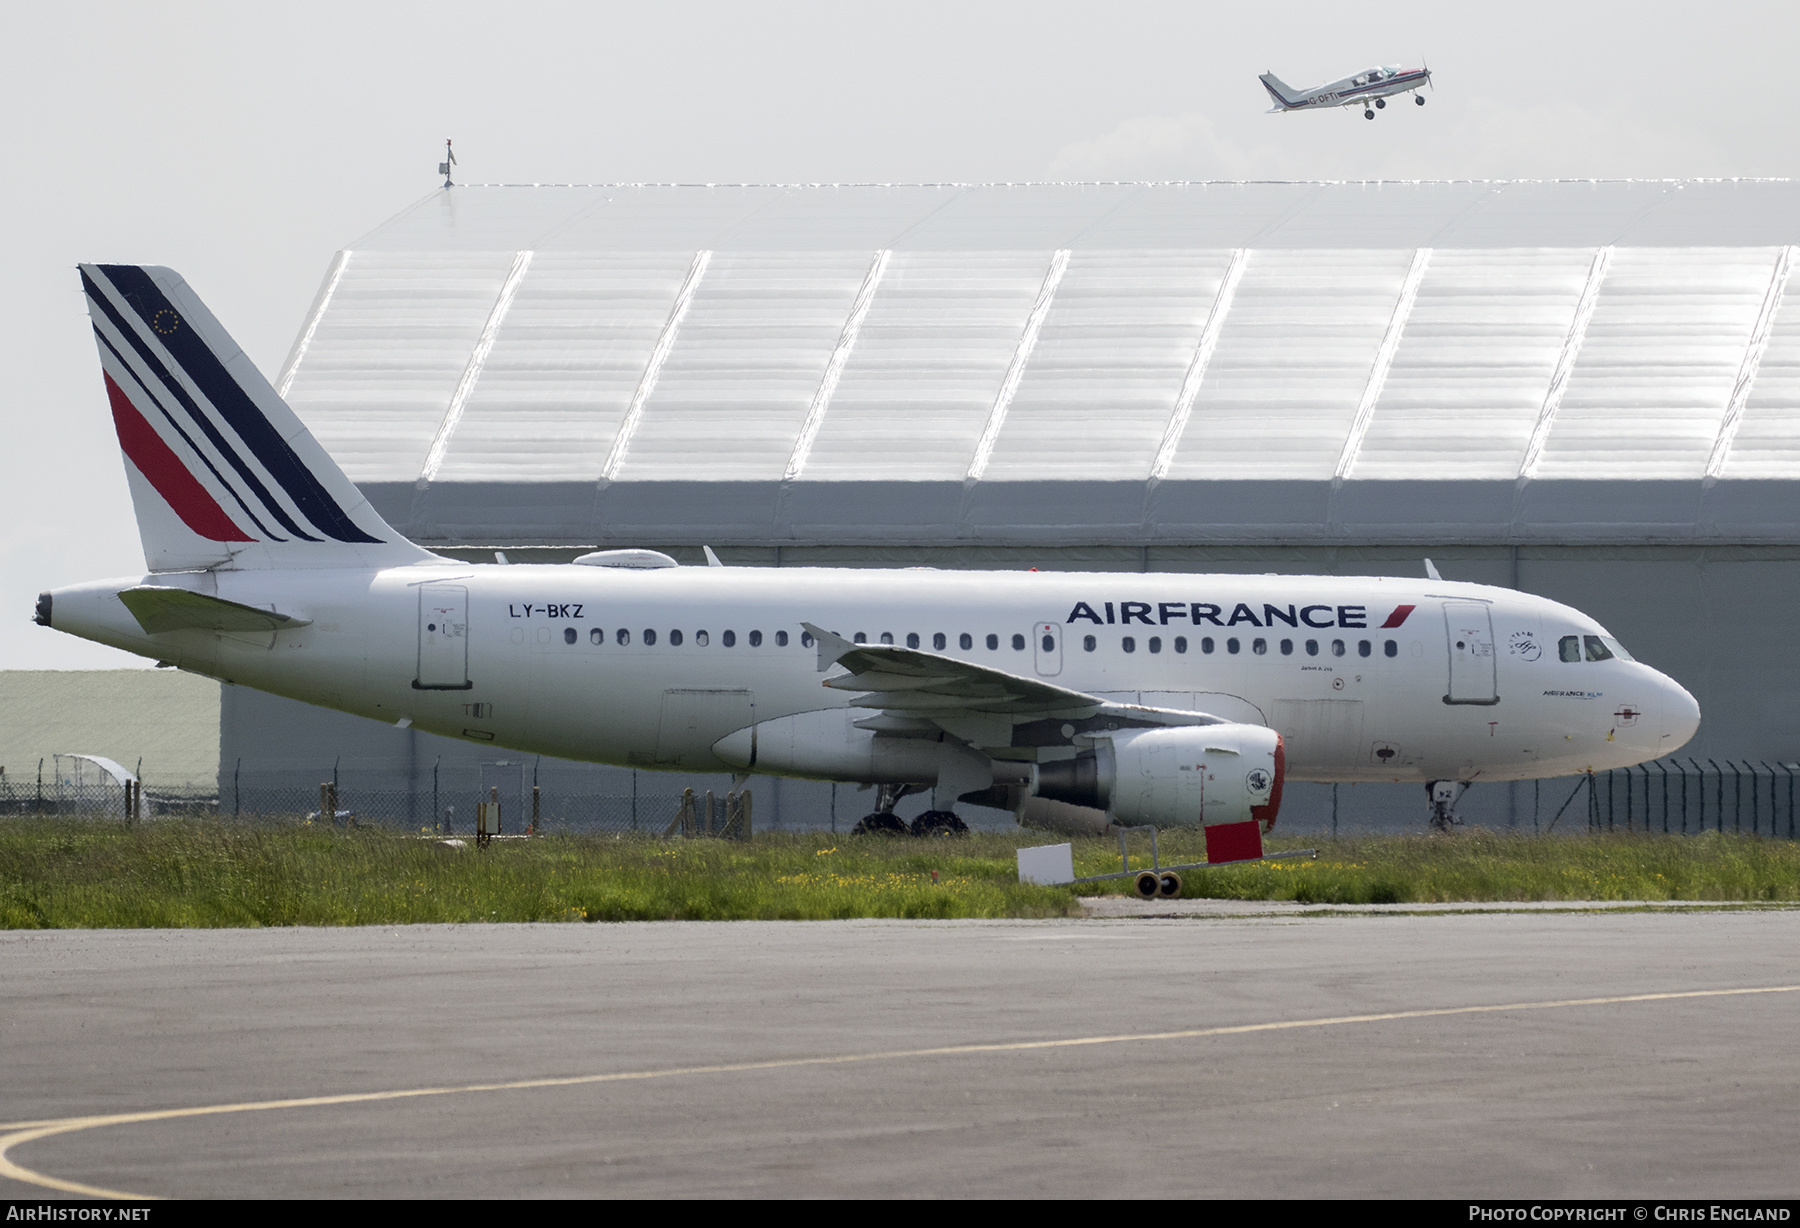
pixel 191 428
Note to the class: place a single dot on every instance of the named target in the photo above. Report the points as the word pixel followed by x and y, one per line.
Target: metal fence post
pixel 1718 798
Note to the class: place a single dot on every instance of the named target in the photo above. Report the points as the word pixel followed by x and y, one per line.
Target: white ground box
pixel 1048 865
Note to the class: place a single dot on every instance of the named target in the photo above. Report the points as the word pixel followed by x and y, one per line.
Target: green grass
pixel 58 873
pixel 1477 865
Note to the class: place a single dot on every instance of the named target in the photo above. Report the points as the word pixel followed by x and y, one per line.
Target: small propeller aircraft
pixel 1369 89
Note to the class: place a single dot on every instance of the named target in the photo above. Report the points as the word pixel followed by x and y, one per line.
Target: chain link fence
pixel 1689 796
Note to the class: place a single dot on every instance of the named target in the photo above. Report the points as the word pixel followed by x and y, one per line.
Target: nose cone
pixel 1680 717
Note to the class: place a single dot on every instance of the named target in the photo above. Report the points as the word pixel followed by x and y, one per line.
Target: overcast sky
pixel 243 144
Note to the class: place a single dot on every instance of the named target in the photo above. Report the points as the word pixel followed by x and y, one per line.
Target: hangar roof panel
pixel 1478 351
pixel 1766 443
pixel 1657 363
pixel 1106 372
pixel 1315 317
pixel 988 361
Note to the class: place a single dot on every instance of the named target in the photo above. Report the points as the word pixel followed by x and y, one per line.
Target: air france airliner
pixel 1117 698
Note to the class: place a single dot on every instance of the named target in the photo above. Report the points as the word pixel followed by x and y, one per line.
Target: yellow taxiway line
pixel 20 1132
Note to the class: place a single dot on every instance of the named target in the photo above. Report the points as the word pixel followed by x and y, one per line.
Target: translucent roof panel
pixel 746 362
pixel 564 365
pixel 386 356
pixel 1294 355
pixel 1476 358
pixel 1105 374
pixel 930 357
pixel 1658 363
pixel 1767 443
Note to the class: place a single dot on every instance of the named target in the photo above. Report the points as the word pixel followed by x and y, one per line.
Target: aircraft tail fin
pixel 222 472
pixel 1285 95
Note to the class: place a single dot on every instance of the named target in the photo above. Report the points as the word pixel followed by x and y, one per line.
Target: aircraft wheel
pixel 1368 115
pixel 881 823
pixel 1148 885
pixel 1419 99
pixel 1169 885
pixel 939 823
pixel 1381 104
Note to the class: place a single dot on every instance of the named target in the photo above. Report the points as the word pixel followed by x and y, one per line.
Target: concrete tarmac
pixel 1665 1097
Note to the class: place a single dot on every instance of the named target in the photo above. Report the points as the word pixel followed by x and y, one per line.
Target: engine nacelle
pixel 1225 778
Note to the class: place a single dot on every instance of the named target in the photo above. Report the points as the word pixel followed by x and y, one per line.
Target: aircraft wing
pixel 158 609
pixel 921 692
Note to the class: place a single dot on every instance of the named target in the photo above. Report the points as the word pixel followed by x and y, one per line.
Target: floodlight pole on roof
pixel 448 162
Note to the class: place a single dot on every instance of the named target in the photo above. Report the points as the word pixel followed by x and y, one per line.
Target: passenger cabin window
pixel 624 636
pixel 729 639
pixel 1596 648
pixel 1390 648
pixel 1259 646
pixel 1287 648
pixel 597 636
pixel 1018 643
pixel 1337 648
pixel 1155 644
pixel 938 641
pixel 1568 648
pixel 1181 643
pixel 1364 648
pixel 756 639
pixel 1128 644
pixel 649 637
pixel 781 639
pixel 675 639
pixel 887 637
pixel 570 635
pixel 860 637
pixel 700 639
pixel 993 642
pixel 1206 643
pixel 1231 646
pixel 806 639
pixel 1088 643
pixel 912 639
pixel 965 640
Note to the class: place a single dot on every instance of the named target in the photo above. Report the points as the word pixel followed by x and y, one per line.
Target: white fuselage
pixel 583 662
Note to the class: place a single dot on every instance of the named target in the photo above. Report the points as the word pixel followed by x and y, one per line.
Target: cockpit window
pixel 1596 648
pixel 1568 648
pixel 1618 649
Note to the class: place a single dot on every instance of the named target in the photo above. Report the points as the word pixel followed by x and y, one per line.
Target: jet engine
pixel 1224 778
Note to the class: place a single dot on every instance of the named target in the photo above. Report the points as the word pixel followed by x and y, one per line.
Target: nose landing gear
pixel 1444 795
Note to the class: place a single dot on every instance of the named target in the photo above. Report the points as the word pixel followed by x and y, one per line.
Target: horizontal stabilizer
pixel 159 609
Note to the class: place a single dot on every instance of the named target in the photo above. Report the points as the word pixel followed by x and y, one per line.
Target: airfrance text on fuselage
pixel 1207 613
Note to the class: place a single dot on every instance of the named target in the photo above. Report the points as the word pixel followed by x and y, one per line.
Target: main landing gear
pixel 1367 114
pixel 1419 99
pixel 1381 104
pixel 884 822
